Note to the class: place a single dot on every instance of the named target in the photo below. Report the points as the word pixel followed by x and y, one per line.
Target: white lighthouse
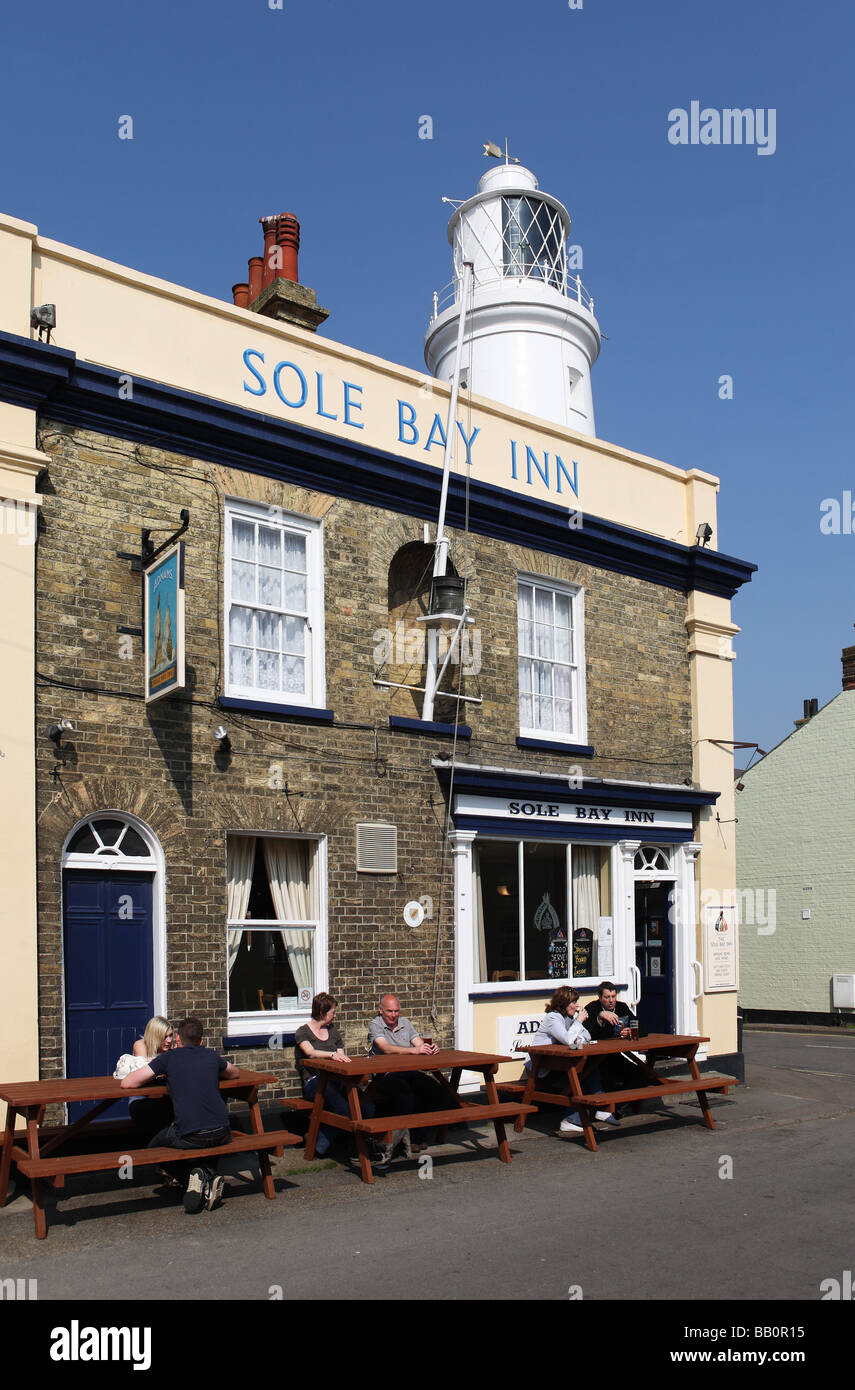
pixel 530 335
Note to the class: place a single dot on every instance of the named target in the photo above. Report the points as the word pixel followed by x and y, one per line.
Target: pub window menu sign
pixel 163 624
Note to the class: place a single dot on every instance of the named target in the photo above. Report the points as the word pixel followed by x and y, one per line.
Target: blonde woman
pixel 149 1116
pixel 159 1036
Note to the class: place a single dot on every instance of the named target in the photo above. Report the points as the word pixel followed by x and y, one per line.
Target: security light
pixel 56 731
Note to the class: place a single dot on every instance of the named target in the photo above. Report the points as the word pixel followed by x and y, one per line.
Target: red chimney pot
pixel 288 237
pixel 270 259
pixel 256 276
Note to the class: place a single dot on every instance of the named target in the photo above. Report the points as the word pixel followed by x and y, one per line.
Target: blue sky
pixel 703 260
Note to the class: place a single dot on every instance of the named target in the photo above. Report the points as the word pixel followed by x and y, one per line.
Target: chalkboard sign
pixel 558 956
pixel 583 952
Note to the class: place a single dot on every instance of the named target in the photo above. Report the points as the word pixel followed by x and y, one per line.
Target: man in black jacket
pixel 608 1017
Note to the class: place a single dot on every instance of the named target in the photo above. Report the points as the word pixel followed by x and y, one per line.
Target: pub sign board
pixel 163 624
pixel 721 947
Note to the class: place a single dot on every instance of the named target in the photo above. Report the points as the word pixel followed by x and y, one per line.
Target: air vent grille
pixel 376 849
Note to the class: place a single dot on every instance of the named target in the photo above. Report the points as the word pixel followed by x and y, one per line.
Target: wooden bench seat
pixel 277 1140
pixel 296 1102
pixel 460 1115
pixel 667 1088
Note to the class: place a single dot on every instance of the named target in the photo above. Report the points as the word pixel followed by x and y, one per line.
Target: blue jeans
pixel 336 1101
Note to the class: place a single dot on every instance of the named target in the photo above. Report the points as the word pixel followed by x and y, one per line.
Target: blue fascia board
pixel 522 786
pixel 72 391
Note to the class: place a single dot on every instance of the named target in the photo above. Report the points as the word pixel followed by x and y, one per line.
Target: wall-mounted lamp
pixel 703 535
pixel 222 736
pixel 43 318
pixel 56 731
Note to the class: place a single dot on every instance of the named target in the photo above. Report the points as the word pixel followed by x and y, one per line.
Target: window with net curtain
pixel 538 907
pixel 272 924
pixel 273 609
pixel 549 654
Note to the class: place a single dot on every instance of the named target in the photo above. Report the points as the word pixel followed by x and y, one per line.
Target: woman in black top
pixel 321 1036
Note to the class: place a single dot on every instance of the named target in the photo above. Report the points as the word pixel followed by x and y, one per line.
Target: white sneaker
pixel 606 1117
pixel 570 1126
pixel 214 1191
pixel 194 1193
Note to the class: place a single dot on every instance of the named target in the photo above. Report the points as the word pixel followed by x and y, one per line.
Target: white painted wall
pixel 795 839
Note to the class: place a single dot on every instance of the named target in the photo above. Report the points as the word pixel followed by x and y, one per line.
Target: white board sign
pixel 721 947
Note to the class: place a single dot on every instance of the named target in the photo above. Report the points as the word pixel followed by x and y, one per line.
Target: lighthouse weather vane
pixel 494 152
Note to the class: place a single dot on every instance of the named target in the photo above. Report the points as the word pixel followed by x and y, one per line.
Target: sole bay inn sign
pixel 622 819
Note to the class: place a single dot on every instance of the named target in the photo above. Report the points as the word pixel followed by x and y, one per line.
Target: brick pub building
pixel 263 831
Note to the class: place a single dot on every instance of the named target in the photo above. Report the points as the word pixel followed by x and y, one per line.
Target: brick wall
pixel 160 763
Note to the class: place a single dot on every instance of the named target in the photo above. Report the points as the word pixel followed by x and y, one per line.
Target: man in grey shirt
pixel 403 1092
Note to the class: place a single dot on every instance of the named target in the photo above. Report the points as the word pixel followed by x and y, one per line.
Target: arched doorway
pixel 112 915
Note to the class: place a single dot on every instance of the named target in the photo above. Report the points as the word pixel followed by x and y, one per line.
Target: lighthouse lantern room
pixel 530 335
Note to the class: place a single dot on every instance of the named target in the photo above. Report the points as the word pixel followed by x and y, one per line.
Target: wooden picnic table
pixel 37 1150
pixel 576 1061
pixel 349 1075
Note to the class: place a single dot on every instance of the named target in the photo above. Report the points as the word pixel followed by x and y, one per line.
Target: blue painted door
pixel 654 956
pixel 109 987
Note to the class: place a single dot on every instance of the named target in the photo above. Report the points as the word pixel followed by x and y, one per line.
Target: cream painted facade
pixel 149 330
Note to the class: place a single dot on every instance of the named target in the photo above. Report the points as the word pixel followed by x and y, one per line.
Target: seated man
pixel 192 1074
pixel 608 1017
pixel 403 1092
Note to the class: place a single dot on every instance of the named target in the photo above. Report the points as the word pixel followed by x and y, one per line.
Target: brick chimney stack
pixel 848 662
pixel 273 288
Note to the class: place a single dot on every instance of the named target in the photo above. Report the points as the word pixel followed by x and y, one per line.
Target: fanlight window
pixel 113 838
pixel 652 860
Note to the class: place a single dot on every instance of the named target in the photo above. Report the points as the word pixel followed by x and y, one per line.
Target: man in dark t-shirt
pixel 192 1074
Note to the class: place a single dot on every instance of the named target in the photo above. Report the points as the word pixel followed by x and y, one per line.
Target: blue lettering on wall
pixel 350 405
pixel 262 384
pixel 304 385
pixel 560 468
pixel 407 423
pixel 320 411
pixel 531 458
pixel 436 429
pixel 470 441
pixel 513 458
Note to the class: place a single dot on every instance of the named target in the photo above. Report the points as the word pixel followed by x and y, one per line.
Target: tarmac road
pixel 760 1209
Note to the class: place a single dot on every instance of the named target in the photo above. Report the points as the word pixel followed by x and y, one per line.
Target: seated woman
pixel 564 1025
pixel 154 1114
pixel 321 1036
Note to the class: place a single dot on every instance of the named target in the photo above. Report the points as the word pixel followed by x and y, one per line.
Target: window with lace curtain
pixel 550 635
pixel 274 931
pixel 274 606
